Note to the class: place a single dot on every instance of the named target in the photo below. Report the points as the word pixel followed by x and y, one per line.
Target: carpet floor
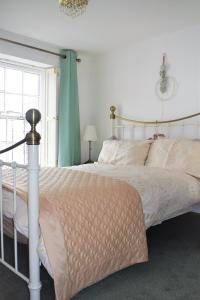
pixel 172 273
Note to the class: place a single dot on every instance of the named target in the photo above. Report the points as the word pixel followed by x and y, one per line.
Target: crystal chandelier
pixel 73 8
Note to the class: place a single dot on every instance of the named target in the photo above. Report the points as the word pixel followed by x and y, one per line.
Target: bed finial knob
pixel 112 109
pixel 33 117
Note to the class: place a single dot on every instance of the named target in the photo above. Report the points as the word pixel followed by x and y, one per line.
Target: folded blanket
pixel 92 226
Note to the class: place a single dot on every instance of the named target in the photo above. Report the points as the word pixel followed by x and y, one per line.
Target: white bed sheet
pixel 164 194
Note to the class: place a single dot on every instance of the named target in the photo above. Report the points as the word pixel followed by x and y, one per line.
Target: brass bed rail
pixel 146 125
pixel 113 116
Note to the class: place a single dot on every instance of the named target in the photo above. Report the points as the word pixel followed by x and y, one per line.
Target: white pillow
pixel 185 155
pixel 179 154
pixel 158 153
pixel 124 152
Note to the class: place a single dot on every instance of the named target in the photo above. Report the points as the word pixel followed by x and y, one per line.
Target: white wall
pixel 86 76
pixel 25 53
pixel 127 78
pixel 87 98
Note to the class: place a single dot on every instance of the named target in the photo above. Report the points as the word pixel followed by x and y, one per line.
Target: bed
pixel 165 191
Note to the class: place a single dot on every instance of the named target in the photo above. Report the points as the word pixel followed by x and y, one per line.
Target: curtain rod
pixel 35 48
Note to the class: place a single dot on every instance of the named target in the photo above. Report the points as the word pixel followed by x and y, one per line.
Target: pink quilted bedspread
pixel 92 226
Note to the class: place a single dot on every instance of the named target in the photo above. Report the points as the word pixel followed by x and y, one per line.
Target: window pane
pixel 30 102
pixel 4 155
pixel 10 131
pixel 15 130
pixel 18 130
pixel 1 79
pixel 1 102
pixel 13 103
pixel 13 81
pixel 19 92
pixel 9 154
pixel 31 84
pixel 3 130
pixel 18 154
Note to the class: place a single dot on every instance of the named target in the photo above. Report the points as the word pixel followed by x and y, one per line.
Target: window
pixel 21 88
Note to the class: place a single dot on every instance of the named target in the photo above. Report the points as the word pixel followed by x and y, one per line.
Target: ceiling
pixel 107 24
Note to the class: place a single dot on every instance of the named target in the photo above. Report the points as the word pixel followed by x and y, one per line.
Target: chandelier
pixel 73 8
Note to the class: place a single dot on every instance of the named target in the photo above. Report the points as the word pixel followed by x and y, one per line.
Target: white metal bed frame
pixel 32 139
pixel 140 129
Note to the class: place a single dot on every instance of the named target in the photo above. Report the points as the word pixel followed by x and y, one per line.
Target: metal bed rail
pixel 32 140
pixel 14 167
pixel 139 129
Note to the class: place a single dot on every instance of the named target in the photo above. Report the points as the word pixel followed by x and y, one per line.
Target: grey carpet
pixel 172 273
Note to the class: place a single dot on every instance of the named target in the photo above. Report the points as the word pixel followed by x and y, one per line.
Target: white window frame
pixel 42 97
pixel 51 129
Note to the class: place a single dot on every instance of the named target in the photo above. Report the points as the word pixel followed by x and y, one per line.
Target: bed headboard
pixel 183 127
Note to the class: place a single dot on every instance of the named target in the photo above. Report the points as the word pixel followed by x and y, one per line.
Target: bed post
pixel 33 116
pixel 112 117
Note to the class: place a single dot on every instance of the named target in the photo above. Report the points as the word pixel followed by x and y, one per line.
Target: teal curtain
pixel 69 120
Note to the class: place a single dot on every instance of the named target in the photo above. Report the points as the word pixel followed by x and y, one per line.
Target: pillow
pixel 185 155
pixel 124 152
pixel 179 154
pixel 158 153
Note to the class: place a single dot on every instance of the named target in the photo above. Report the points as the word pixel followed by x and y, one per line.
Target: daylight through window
pixel 20 90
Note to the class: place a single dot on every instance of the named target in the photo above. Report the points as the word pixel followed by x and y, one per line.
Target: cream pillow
pixel 158 153
pixel 124 152
pixel 185 155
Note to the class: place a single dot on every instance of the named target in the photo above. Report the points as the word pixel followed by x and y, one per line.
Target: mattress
pixel 164 194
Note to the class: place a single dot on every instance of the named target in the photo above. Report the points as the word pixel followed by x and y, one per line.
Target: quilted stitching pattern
pixel 102 226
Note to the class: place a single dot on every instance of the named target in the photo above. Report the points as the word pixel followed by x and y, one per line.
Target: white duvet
pixel 164 194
